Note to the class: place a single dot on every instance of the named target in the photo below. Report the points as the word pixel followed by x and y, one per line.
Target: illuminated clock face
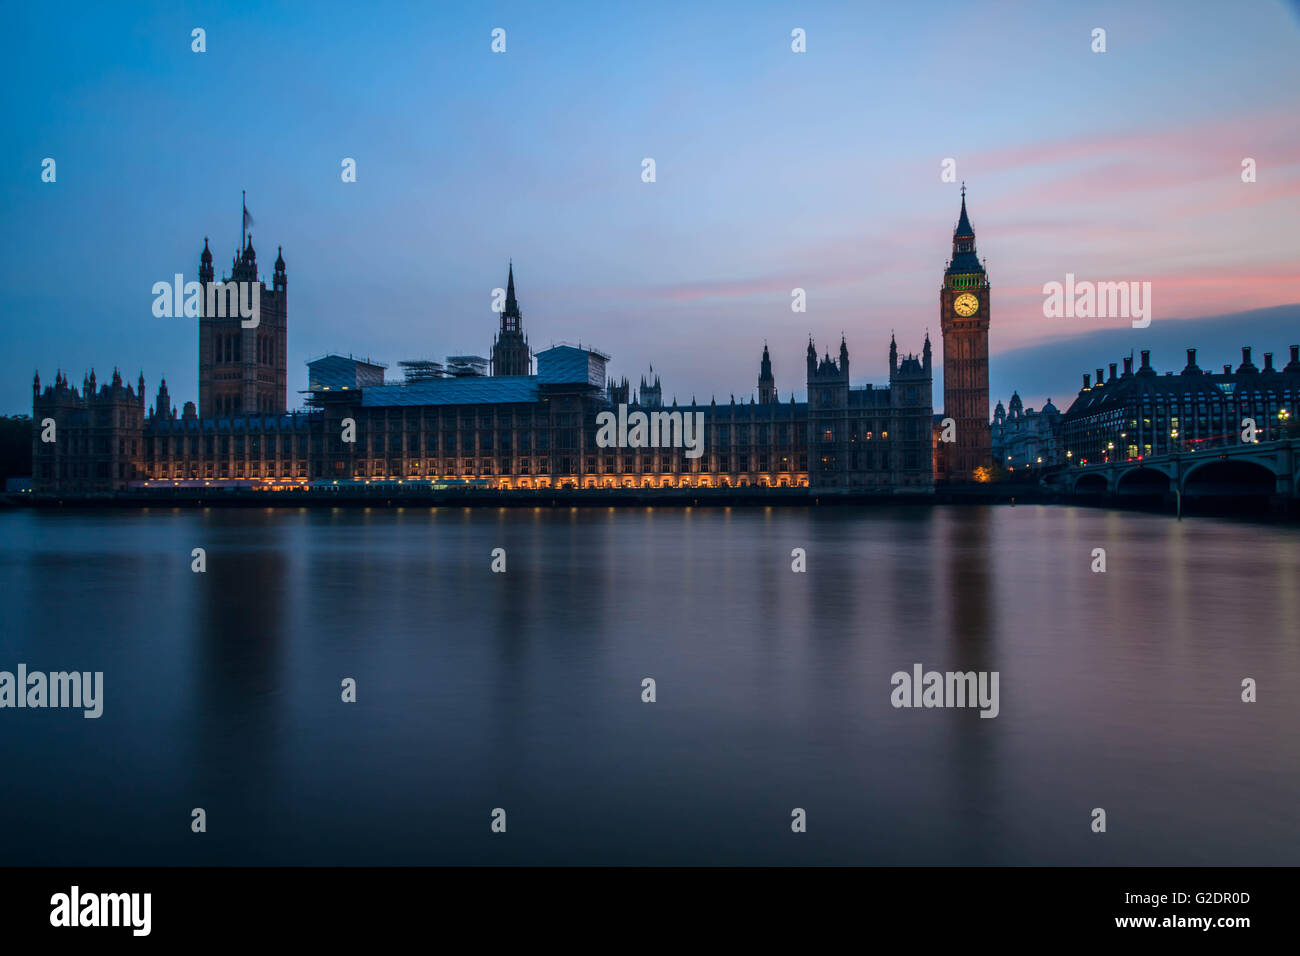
pixel 966 304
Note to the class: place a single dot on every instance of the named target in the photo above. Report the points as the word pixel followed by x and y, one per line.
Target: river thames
pixel 522 690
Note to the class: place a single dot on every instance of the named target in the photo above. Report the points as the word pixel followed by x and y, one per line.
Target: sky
pixel 775 170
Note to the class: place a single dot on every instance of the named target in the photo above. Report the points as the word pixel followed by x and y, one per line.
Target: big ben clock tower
pixel 964 318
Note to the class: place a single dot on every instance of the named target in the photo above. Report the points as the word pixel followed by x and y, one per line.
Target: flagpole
pixel 243 221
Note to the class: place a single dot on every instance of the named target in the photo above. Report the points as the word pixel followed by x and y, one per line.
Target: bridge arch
pixel 1093 483
pixel 1143 481
pixel 1235 477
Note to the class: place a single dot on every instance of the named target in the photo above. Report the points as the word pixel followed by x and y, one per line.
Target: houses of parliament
pixel 517 420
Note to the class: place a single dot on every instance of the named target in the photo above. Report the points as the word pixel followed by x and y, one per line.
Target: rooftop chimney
pixel 1087 381
pixel 1114 374
pixel 1268 362
pixel 1146 358
pixel 1246 364
pixel 1101 378
pixel 1128 366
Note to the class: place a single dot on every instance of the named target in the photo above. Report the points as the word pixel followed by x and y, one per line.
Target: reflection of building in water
pixel 970 588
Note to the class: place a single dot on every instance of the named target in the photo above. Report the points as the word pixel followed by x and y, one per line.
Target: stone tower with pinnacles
pixel 964 320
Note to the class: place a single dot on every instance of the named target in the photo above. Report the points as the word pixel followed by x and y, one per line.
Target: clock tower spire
pixel 964 320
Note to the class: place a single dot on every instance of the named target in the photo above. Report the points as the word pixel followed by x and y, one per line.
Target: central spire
pixel 964 260
pixel 964 227
pixel 512 306
pixel 510 352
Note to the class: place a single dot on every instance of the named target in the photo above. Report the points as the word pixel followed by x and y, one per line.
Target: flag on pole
pixel 246 222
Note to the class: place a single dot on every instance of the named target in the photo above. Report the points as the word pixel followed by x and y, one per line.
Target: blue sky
pixel 775 170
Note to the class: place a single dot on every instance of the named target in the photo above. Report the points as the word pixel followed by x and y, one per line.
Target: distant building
pixel 1024 438
pixel 337 373
pixel 1141 413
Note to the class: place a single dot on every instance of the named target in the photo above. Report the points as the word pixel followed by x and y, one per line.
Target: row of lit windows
pixel 568 464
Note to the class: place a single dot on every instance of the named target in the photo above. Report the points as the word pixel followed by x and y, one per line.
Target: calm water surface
pixel 523 690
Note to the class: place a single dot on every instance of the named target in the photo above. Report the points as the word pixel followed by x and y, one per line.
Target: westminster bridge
pixel 1261 470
